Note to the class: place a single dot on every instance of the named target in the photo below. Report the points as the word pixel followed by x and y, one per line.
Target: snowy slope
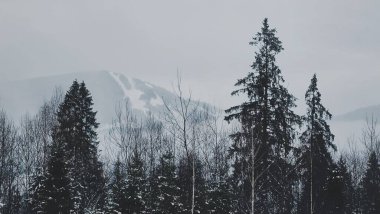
pixel 107 88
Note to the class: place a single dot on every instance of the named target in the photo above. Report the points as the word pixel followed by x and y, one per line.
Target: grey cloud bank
pixel 206 40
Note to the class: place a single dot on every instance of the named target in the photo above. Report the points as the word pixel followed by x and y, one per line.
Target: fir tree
pixel 267 131
pixel 371 186
pixel 50 190
pixel 335 198
pixel 118 195
pixel 339 189
pixel 165 191
pixel 314 156
pixel 348 187
pixel 74 179
pixel 76 128
pixel 136 185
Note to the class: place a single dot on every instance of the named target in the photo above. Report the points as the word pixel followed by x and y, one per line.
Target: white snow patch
pixel 133 94
pixel 149 85
pixel 157 101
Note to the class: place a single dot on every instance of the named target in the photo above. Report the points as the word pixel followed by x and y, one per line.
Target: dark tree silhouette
pixel 314 156
pixel 371 186
pixel 267 132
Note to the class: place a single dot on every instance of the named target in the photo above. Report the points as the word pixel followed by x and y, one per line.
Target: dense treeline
pixel 188 159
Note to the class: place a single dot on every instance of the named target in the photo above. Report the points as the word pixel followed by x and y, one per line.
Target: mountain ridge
pixel 108 89
pixel 360 114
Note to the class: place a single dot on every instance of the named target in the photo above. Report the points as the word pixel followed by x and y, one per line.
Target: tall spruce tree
pixel 165 190
pixel 314 156
pixel 267 130
pixel 136 185
pixel 334 198
pixel 118 195
pixel 371 186
pixel 347 183
pixel 51 189
pixel 74 181
pixel 339 189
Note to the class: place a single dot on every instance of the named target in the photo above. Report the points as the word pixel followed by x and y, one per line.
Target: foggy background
pixel 207 41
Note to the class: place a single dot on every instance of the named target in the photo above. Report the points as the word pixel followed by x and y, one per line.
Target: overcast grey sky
pixel 206 40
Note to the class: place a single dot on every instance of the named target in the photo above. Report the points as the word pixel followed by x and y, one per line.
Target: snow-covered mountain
pixel 107 88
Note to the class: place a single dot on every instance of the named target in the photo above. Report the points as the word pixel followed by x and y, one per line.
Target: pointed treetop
pixel 314 79
pixel 267 36
pixel 317 114
pixel 265 25
pixel 313 98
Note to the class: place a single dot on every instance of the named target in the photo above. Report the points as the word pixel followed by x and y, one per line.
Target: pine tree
pixel 348 187
pixel 50 190
pixel 136 185
pixel 118 194
pixel 371 186
pixel 165 191
pixel 314 156
pixel 335 200
pixel 76 128
pixel 74 179
pixel 339 189
pixel 267 132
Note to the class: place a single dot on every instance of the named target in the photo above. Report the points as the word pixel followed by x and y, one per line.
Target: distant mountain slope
pixel 107 88
pixel 360 114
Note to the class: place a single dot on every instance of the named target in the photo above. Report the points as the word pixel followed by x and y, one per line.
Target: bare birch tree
pixel 180 117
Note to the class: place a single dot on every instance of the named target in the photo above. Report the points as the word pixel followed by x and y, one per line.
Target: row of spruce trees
pixel 274 160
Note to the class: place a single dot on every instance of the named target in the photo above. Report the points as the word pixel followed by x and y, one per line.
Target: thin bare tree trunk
pixel 193 194
pixel 311 178
pixel 253 179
